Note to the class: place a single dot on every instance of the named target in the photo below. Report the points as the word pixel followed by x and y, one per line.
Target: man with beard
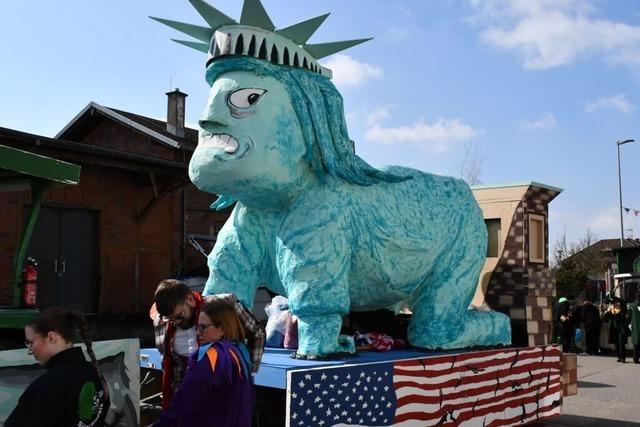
pixel 174 314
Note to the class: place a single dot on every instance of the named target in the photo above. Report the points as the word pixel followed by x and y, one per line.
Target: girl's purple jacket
pixel 217 389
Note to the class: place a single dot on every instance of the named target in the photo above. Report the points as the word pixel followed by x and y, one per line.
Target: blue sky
pixel 539 90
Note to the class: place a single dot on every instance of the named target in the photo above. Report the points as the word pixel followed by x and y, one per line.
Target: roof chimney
pixel 175 112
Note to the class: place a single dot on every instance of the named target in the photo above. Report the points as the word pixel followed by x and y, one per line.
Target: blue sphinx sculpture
pixel 313 221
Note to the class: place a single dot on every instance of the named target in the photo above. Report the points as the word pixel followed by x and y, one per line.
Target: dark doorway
pixel 64 243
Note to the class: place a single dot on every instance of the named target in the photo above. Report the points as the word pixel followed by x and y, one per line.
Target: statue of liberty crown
pixel 256 36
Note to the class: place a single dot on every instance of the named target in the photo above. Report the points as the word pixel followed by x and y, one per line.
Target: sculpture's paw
pixel 484 329
pixel 320 350
pixel 480 329
pixel 318 336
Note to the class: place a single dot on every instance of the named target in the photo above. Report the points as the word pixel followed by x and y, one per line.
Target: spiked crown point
pixel 256 36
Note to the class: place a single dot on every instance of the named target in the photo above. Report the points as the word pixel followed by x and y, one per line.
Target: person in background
pixel 217 389
pixel 557 327
pixel 617 314
pixel 634 318
pixel 174 314
pixel 72 391
pixel 590 316
pixel 575 318
pixel 566 327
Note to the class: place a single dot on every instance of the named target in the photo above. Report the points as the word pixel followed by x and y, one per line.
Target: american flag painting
pixel 488 388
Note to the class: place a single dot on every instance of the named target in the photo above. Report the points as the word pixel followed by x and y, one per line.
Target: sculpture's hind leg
pixel 441 318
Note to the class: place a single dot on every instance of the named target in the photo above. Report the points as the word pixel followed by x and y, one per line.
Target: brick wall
pixel 10 221
pixel 132 258
pixel 109 134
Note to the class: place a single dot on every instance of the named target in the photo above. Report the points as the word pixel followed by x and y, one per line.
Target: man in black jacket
pixel 591 321
pixel 564 321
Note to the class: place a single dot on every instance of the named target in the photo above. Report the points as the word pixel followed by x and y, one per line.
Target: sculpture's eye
pixel 245 98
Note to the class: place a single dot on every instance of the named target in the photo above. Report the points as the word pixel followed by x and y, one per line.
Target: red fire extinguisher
pixel 30 283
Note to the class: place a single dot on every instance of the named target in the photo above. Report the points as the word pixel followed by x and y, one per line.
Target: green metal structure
pixel 25 170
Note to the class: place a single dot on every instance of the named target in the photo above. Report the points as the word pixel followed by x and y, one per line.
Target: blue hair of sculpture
pixel 319 108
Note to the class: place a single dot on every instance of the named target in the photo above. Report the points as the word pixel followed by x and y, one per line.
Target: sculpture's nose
pixel 212 118
pixel 209 125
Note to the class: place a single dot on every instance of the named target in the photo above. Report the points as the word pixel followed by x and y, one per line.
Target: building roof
pixel 86 120
pixel 59 148
pixel 518 184
pixel 607 246
pixel 614 244
pixel 190 139
pixel 628 244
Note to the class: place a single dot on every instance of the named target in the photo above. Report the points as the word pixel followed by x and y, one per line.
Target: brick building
pixel 103 246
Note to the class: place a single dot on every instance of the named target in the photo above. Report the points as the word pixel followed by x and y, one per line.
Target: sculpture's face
pixel 250 143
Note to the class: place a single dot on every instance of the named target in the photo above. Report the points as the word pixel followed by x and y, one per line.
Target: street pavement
pixel 608 395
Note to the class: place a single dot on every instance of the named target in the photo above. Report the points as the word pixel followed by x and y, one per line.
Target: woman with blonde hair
pixel 218 386
pixel 72 391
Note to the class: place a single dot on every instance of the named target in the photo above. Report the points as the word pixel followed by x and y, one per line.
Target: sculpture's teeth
pixel 221 140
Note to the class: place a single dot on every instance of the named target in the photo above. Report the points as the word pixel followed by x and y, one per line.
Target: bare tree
pixel 560 250
pixel 573 264
pixel 563 250
pixel 470 166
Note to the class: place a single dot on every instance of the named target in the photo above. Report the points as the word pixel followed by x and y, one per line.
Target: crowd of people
pixel 623 322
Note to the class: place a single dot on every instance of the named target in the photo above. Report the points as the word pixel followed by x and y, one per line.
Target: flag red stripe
pixel 501 405
pixel 512 403
pixel 487 401
pixel 506 384
pixel 502 374
pixel 538 415
pixel 484 364
pixel 468 415
pixel 449 358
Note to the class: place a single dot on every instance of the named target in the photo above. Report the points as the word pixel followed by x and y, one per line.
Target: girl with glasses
pixel 218 386
pixel 72 391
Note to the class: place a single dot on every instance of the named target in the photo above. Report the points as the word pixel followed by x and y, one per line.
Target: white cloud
pixel 606 222
pixel 378 115
pixel 437 136
pixel 552 33
pixel 545 122
pixel 617 102
pixel 349 72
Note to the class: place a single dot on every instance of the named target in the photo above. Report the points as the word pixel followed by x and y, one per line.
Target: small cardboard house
pixel 516 279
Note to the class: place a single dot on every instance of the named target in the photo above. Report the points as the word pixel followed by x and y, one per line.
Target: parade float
pixel 316 223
